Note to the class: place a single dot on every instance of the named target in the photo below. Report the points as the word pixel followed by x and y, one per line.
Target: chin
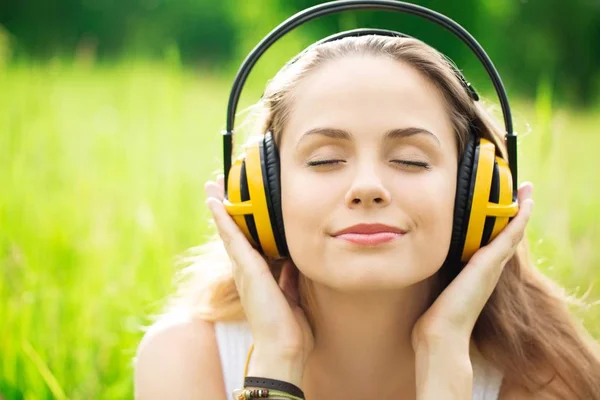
pixel 356 273
pixel 349 268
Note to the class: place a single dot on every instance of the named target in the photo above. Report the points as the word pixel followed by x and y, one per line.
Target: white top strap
pixel 234 340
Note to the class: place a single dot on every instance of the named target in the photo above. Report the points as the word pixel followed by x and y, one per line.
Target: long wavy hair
pixel 526 329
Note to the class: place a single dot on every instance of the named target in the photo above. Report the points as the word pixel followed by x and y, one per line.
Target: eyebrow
pixel 395 133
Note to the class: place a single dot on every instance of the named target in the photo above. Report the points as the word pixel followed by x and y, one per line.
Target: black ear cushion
pixel 462 204
pixel 270 166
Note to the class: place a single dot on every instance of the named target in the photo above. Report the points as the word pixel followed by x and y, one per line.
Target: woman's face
pixel 389 132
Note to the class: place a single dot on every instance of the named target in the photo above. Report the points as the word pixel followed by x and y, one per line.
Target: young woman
pixel 370 131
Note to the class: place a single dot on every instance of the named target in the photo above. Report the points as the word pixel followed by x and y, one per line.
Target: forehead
pixel 367 96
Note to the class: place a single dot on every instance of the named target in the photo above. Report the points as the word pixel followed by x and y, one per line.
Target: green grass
pixel 102 173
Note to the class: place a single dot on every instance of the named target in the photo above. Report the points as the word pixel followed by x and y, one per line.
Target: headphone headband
pixel 386 5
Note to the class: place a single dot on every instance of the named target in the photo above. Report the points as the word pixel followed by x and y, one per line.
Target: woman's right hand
pixel 282 336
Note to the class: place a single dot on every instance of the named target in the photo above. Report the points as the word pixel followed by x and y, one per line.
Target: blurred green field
pixel 101 187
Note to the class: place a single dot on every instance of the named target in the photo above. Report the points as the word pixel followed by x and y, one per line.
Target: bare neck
pixel 363 342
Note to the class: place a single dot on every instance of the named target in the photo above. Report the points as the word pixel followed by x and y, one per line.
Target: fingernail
pixel 527 188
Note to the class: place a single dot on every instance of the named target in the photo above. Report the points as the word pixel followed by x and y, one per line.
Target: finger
pixel 221 183
pixel 254 281
pixel 502 248
pixel 288 282
pixel 250 271
pixel 236 244
pixel 488 263
pixel 467 294
pixel 212 189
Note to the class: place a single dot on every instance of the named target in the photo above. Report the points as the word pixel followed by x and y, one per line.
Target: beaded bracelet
pixel 248 394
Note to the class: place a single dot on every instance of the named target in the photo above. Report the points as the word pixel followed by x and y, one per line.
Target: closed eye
pixel 418 164
pixel 323 162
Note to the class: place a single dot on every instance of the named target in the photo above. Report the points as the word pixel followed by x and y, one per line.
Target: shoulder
pixel 178 357
pixel 555 389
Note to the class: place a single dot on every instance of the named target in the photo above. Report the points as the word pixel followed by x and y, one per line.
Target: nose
pixel 367 190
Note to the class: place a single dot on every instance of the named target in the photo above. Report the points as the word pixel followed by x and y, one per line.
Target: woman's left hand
pixel 448 324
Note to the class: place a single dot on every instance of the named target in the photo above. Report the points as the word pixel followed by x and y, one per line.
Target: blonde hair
pixel 526 329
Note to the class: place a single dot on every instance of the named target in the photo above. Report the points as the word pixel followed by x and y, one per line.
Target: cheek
pixel 304 210
pixel 436 212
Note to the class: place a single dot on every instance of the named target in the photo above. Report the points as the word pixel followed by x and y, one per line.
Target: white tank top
pixel 235 338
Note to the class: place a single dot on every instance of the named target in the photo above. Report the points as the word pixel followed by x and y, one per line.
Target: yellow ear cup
pixel 508 208
pixel 234 204
pixel 256 206
pixel 481 207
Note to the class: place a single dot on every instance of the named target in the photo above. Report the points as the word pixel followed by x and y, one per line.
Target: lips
pixel 366 229
pixel 369 234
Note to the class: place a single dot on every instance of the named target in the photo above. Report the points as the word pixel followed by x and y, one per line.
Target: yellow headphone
pixel 486 183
